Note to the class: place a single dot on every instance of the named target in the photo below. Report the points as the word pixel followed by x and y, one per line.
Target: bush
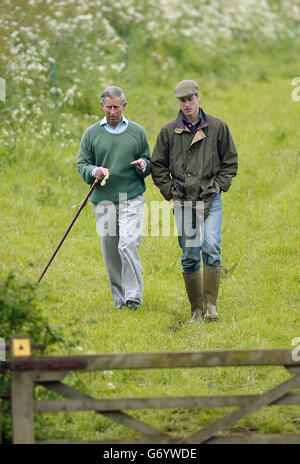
pixel 19 313
pixel 19 309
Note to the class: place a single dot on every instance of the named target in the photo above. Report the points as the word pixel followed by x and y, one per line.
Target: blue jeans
pixel 196 235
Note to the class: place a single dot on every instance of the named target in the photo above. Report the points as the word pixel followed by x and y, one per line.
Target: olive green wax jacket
pixel 195 167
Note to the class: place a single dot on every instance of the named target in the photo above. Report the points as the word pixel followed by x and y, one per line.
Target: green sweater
pixel 115 152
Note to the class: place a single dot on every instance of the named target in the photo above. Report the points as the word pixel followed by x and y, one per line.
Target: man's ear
pixel 124 106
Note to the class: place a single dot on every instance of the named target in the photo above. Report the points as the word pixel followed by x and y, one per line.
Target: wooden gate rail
pixel 155 360
pixel 50 371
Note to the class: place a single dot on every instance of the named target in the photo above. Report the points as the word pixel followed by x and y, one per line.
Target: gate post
pixel 22 403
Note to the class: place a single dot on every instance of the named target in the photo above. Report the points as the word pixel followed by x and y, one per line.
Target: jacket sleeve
pixel 86 160
pixel 228 156
pixel 160 165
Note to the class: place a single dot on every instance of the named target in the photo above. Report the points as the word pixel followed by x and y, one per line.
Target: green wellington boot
pixel 193 285
pixel 211 282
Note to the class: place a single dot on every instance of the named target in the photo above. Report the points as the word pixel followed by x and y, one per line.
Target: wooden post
pixel 22 402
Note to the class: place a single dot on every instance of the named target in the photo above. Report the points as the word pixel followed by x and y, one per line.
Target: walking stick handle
pixel 103 182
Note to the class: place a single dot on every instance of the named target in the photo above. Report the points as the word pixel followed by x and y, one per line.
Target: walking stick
pixel 103 182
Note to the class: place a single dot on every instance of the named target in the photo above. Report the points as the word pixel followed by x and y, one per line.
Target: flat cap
pixel 185 88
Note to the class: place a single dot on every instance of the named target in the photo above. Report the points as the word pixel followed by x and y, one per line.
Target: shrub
pixel 19 313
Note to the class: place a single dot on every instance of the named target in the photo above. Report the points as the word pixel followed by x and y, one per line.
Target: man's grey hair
pixel 112 92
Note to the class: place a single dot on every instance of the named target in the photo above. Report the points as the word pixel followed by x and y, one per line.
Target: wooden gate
pixel 28 370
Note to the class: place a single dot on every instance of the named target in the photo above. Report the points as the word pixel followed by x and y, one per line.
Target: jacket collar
pixel 180 126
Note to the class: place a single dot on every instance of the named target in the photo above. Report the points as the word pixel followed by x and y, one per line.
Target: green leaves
pixel 19 311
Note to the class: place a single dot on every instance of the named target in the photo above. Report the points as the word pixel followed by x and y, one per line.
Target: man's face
pixel 190 106
pixel 113 110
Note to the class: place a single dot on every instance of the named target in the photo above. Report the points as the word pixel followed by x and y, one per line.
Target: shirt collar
pixel 104 121
pixel 180 125
pixel 199 120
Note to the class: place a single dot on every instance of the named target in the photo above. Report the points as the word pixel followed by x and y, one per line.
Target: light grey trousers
pixel 120 228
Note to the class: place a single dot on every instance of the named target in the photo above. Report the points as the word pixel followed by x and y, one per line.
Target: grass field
pixel 250 88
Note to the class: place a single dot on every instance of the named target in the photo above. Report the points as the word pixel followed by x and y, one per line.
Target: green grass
pixel 258 302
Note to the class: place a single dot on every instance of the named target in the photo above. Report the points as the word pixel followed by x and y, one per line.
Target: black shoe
pixel 133 305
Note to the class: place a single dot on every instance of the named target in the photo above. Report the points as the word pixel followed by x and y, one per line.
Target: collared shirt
pixel 192 127
pixel 115 130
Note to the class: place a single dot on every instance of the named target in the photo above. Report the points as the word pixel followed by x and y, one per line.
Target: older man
pixel 193 161
pixel 118 147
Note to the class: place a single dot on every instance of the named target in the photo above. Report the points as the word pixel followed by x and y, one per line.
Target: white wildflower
pixel 71 92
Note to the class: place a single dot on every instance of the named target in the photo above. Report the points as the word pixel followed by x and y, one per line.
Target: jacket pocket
pixel 178 191
pixel 210 187
pixel 166 190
